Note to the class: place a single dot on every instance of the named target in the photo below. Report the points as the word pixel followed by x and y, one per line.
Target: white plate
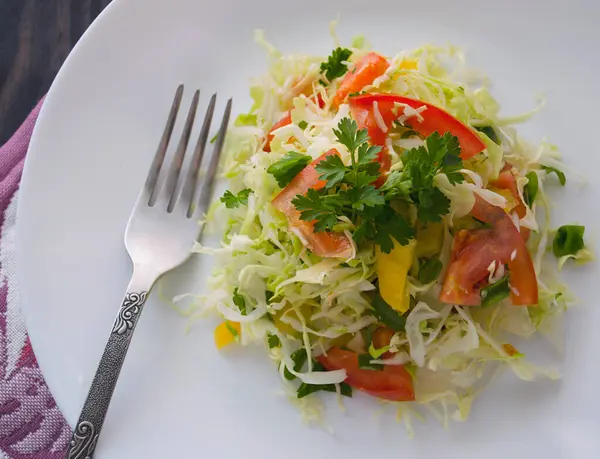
pixel 178 396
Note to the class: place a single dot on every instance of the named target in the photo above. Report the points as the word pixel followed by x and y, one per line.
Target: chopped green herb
pixel 430 270
pixel 269 295
pixel 239 301
pixel 408 134
pixel 232 330
pixel 387 315
pixel 302 124
pixel 367 334
pixel 232 201
pixel 495 292
pixel 288 167
pixel 359 93
pixel 307 389
pixel 531 188
pixel 568 240
pixel 214 138
pixel 561 176
pixel 364 362
pixel 273 341
pixel 246 119
pixel 489 131
pixel 299 358
pixel 335 66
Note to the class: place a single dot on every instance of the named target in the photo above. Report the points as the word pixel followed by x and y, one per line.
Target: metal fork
pixel 161 232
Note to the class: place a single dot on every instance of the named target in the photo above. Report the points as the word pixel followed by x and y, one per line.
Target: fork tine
pixel 150 188
pixel 170 186
pixel 206 190
pixel 186 200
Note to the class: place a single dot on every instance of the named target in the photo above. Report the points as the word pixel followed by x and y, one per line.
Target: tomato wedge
pixel 287 119
pixel 392 383
pixel 475 250
pixel 507 181
pixel 366 70
pixel 434 120
pixel 324 244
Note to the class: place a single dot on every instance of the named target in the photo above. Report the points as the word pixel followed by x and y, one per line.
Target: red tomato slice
pixel 324 244
pixel 287 119
pixel 392 383
pixel 475 250
pixel 366 70
pixel 381 338
pixel 434 120
pixel 377 136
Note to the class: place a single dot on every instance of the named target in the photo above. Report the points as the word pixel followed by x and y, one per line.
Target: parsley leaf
pixel 561 176
pixel 335 67
pixel 431 205
pixel 288 167
pixel 331 169
pixel 232 201
pixel 349 135
pixel 440 155
pixel 302 124
pixel 390 225
pixel 313 207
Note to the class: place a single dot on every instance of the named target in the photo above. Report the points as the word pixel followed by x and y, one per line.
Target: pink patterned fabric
pixel 31 425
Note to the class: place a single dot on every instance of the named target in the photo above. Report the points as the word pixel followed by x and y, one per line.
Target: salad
pixel 387 230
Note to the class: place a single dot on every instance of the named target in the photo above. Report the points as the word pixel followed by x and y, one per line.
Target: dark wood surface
pixel 35 38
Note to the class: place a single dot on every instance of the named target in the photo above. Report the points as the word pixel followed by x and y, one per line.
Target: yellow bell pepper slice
pixel 409 64
pixel 226 333
pixel 430 240
pixel 511 202
pixel 392 270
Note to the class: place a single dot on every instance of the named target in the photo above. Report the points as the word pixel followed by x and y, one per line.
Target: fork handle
pixel 85 435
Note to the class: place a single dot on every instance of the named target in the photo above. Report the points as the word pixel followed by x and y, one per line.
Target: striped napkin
pixel 31 425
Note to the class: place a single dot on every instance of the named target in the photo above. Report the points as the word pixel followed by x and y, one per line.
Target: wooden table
pixel 35 38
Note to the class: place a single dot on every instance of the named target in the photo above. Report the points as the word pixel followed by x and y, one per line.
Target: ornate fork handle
pixel 87 430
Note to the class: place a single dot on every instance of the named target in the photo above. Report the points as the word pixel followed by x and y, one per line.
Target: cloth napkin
pixel 31 425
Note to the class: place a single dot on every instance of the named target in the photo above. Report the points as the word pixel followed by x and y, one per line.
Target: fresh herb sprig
pixel 439 155
pixel 350 192
pixel 232 201
pixel 335 66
